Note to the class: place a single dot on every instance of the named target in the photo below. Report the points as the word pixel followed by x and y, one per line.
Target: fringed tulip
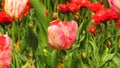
pixel 73 7
pixel 81 3
pixel 104 15
pixel 14 7
pixel 115 5
pixel 61 35
pixel 63 8
pixel 95 7
pixel 5 51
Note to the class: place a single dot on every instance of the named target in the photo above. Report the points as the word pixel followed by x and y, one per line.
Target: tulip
pixel 61 35
pixel 5 51
pixel 115 5
pixel 95 7
pixel 81 3
pixel 73 7
pixel 63 8
pixel 14 7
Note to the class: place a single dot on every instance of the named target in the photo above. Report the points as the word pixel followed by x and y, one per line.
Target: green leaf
pixel 1 29
pixel 29 39
pixel 41 20
pixel 116 60
pixel 54 59
pixel 68 60
pixel 108 57
pixel 40 13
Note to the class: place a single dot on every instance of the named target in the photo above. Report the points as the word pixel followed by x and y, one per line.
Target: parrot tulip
pixel 14 7
pixel 5 51
pixel 61 35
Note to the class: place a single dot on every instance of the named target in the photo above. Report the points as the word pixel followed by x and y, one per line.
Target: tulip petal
pixel 56 37
pixel 5 51
pixel 72 31
pixel 115 5
pixel 14 7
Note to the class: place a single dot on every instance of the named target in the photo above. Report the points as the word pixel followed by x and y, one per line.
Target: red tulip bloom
pixel 5 51
pixel 63 8
pixel 105 15
pixel 72 7
pixel 101 16
pixel 95 7
pixel 61 35
pixel 81 3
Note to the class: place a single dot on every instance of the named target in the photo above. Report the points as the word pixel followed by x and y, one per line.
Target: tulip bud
pixel 61 35
pixel 115 5
pixel 92 30
pixel 47 12
pixel 5 51
pixel 14 7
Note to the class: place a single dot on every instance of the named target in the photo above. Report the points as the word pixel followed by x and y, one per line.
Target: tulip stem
pixel 13 42
pixel 54 59
pixel 13 34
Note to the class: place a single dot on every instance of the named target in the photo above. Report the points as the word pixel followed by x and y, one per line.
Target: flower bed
pixel 60 34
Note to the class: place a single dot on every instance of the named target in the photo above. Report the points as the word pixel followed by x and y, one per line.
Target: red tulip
pixel 14 7
pixel 61 35
pixel 72 7
pixel 95 7
pixel 63 8
pixel 5 51
pixel 115 5
pixel 104 15
pixel 81 3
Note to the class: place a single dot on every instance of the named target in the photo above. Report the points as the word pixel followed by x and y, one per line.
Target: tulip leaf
pixel 68 60
pixel 29 39
pixel 40 13
pixel 116 60
pixel 41 20
pixel 1 29
pixel 54 59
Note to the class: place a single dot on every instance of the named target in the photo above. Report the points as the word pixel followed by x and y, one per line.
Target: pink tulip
pixel 115 5
pixel 61 35
pixel 14 7
pixel 5 51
